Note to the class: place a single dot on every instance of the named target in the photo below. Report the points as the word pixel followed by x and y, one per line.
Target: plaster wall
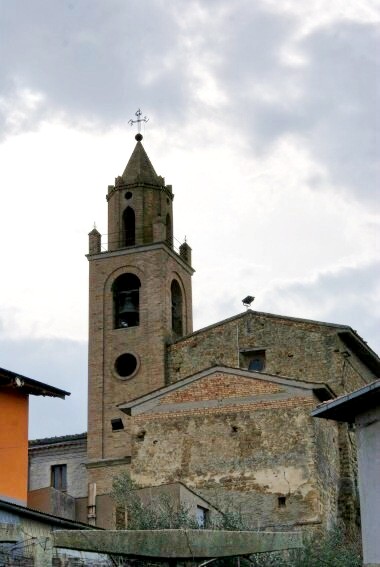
pixel 368 439
pixel 42 458
pixel 13 445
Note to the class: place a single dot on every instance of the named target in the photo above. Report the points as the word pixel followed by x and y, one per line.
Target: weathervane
pixel 138 122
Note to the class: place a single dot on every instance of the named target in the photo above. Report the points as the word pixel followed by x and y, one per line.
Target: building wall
pixel 328 469
pixel 294 348
pixel 13 445
pixel 368 437
pixel 243 457
pixel 155 267
pixel 53 502
pixel 43 457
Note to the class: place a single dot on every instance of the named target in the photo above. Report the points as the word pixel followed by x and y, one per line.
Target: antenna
pixel 247 301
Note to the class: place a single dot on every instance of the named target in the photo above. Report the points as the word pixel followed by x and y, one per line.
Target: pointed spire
pixel 139 167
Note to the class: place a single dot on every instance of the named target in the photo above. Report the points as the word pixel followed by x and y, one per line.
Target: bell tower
pixel 140 299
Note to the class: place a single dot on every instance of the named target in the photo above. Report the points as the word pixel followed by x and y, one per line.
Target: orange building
pixel 14 410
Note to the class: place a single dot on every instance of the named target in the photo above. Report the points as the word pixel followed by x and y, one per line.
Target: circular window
pixel 126 365
pixel 128 195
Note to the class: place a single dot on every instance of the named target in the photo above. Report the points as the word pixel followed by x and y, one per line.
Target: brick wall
pixel 155 267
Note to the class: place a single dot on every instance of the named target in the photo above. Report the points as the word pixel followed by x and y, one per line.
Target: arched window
pixel 126 291
pixel 169 235
pixel 257 362
pixel 129 227
pixel 177 325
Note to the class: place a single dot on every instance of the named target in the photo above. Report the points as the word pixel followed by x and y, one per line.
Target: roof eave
pixel 30 386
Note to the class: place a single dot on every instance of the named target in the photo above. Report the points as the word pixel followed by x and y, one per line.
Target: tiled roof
pixel 58 440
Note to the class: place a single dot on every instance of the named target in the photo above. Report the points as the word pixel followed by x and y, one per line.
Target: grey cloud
pixel 90 58
pixel 336 111
pixel 347 297
pixel 58 362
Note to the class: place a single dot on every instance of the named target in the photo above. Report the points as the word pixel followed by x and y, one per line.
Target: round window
pixel 126 365
pixel 128 195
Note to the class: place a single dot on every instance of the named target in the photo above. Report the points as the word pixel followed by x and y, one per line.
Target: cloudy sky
pixel 262 116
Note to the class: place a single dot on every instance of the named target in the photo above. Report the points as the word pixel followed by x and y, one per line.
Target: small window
pixel 59 477
pixel 201 516
pixel 281 501
pixel 252 359
pixel 117 424
pixel 169 232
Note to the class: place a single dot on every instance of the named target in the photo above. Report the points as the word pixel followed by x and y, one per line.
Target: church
pixel 220 416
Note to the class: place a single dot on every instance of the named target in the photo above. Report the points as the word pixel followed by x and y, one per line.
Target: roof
pixel 141 404
pixel 139 168
pixel 347 407
pixel 62 440
pixel 19 510
pixel 9 379
pixel 349 336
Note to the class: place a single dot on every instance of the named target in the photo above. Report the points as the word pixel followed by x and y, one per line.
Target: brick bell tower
pixel 140 299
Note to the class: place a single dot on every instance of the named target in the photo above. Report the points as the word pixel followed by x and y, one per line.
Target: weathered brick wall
pixel 150 205
pixel 297 349
pixel 155 267
pixel 73 455
pixel 243 456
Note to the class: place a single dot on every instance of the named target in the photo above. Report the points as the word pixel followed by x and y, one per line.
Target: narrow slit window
pixel 177 322
pixel 169 232
pixel 129 227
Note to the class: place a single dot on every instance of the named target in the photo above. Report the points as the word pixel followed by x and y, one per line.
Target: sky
pixel 262 115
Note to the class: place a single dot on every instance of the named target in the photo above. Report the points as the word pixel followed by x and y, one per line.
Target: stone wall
pixel 256 457
pixel 295 348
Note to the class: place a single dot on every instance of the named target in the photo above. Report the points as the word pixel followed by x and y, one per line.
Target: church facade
pixel 225 410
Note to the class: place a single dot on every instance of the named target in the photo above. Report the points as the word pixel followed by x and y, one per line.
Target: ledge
pixel 107 462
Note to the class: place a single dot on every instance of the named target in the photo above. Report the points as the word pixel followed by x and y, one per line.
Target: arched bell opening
pixel 126 299
pixel 129 227
pixel 177 318
pixel 169 230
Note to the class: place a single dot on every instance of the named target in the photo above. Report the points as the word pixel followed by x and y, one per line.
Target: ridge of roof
pixel 343 330
pixel 251 312
pixel 57 439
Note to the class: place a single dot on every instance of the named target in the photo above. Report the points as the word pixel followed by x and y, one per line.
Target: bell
pixel 127 305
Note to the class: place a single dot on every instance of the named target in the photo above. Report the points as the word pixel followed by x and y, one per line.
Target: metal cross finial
pixel 138 121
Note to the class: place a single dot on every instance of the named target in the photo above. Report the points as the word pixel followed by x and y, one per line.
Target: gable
pixel 220 386
pixel 222 390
